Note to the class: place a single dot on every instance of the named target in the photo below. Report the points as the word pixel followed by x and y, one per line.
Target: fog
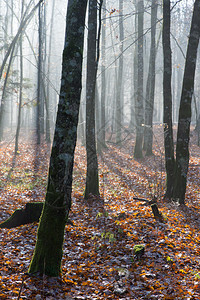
pixel 53 18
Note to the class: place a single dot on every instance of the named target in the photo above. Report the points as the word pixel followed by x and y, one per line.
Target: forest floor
pixel 98 257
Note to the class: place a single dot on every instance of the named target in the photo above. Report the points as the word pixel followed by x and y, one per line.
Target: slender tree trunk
pixel 25 21
pixel 148 135
pixel 135 77
pixel 3 99
pixel 92 178
pixel 40 125
pixel 167 95
pixel 48 251
pixel 119 102
pixel 20 90
pixel 139 103
pixel 48 116
pixel 102 135
pixel 81 126
pixel 183 135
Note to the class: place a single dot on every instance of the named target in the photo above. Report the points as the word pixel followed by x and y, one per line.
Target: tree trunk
pixel 183 135
pixel 139 103
pixel 92 178
pixel 148 136
pixel 20 89
pixel 48 251
pixel 119 95
pixel 135 78
pixel 167 95
pixel 25 21
pixel 102 135
pixel 40 102
pixel 48 117
pixel 3 99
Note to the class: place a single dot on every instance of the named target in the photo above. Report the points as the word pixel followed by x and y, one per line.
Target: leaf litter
pixel 98 257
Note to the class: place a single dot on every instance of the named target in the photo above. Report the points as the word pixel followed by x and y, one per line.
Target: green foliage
pixel 100 214
pixel 105 236
pixel 169 259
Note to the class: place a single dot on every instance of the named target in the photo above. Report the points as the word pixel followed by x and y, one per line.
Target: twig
pixel 148 202
pixel 141 199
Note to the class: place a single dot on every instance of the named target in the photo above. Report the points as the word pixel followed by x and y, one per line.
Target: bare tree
pixel 92 177
pixel 48 251
pixel 185 111
pixel 167 95
pixel 139 102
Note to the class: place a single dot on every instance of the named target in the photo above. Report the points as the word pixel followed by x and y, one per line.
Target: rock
pixel 138 251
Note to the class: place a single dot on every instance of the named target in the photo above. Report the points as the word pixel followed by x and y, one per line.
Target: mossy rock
pixel 138 251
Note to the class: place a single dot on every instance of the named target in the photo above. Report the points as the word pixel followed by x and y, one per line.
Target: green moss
pixel 138 251
pixel 49 246
pixel 31 213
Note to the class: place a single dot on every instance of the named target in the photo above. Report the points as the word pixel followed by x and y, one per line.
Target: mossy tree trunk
pixel 48 250
pixel 92 177
pixel 167 95
pixel 183 135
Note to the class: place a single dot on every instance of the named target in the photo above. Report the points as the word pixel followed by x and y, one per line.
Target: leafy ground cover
pixel 98 257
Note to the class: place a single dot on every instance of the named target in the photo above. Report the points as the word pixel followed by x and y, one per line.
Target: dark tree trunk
pixel 148 135
pixel 48 251
pixel 92 178
pixel 167 95
pixel 183 135
pixel 139 103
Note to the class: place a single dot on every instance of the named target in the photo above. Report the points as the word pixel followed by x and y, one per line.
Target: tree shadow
pixel 192 216
pixel 132 178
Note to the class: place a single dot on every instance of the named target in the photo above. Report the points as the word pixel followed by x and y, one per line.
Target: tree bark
pixel 3 98
pixel 134 78
pixel 20 89
pixel 92 177
pixel 139 103
pixel 48 117
pixel 48 250
pixel 149 100
pixel 167 97
pixel 102 135
pixel 119 95
pixel 40 100
pixel 183 135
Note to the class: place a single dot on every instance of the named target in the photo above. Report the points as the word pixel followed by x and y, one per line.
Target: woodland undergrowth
pixel 98 257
